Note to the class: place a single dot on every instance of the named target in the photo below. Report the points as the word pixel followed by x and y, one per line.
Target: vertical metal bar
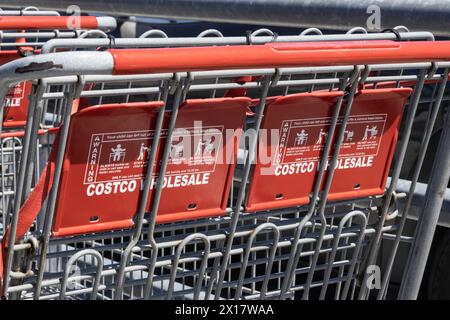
pixel 125 257
pixel 329 180
pixel 34 145
pixel 19 187
pixel 2 183
pixel 30 160
pixel 422 152
pixel 251 239
pixel 351 271
pixel 49 214
pixel 159 184
pixel 270 261
pixel 241 194
pixel 426 224
pixel 214 272
pixel 340 273
pixel 295 250
pixel 372 255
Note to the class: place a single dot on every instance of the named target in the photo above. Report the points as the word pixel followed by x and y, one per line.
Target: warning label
pixel 195 150
pixel 115 158
pixel 303 140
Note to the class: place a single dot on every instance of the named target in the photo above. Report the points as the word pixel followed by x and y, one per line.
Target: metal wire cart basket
pixel 254 167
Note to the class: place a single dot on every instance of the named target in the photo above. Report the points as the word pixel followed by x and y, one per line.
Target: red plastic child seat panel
pixel 286 178
pixel 204 151
pixel 92 195
pixel 106 159
pixel 16 103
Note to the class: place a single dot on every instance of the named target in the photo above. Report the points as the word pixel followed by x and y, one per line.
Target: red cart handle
pixel 133 61
pixel 56 22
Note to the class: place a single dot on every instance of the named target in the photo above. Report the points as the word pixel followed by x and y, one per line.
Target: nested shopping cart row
pixel 15 116
pixel 222 222
pixel 22 34
pixel 16 101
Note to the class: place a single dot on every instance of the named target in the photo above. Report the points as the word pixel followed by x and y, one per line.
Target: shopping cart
pixel 237 241
pixel 214 37
pixel 23 35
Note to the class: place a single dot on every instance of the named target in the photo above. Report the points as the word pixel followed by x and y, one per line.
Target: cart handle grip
pixel 56 22
pixel 133 61
pixel 169 60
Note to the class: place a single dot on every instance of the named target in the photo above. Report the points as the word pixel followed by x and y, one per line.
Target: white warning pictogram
pixel 370 133
pixel 349 135
pixel 322 136
pixel 301 138
pixel 117 154
pixel 143 150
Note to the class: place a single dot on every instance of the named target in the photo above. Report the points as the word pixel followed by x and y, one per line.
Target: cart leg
pixel 426 224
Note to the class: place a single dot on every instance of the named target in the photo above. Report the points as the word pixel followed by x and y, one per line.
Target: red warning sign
pixel 203 158
pixel 361 139
pixel 302 121
pixel 102 142
pixel 117 156
pixel 106 162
